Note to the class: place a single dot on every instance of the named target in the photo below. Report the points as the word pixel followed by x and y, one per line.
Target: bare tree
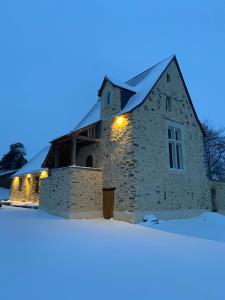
pixel 214 152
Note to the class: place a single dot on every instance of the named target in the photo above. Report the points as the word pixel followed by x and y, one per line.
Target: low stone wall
pixel 219 188
pixel 72 192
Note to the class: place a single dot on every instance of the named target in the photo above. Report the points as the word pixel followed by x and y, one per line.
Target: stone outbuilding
pixel 26 181
pixel 139 150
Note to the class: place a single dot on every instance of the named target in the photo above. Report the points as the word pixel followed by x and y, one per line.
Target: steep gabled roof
pixel 34 165
pixel 117 83
pixel 144 83
pixel 140 85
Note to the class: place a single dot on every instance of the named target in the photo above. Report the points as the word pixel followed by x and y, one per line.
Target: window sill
pixel 175 171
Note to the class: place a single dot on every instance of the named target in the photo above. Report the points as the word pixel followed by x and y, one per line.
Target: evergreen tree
pixel 15 158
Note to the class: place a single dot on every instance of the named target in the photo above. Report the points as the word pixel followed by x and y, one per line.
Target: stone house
pixel 27 180
pixel 139 150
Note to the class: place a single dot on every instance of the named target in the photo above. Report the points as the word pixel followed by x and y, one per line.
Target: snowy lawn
pixel 44 257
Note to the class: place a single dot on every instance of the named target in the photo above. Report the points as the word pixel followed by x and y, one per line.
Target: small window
pixel 89 161
pixel 168 104
pixel 175 148
pixel 107 99
pixel 20 185
pixel 168 77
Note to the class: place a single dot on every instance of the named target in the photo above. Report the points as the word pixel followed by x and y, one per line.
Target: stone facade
pixel 73 192
pixel 157 187
pixel 131 157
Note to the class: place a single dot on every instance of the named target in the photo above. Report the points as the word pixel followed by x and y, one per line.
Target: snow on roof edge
pixel 34 165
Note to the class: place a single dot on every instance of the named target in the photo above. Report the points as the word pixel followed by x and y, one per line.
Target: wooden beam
pixel 85 138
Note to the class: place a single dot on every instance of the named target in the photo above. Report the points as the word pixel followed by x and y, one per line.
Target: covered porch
pixel 65 151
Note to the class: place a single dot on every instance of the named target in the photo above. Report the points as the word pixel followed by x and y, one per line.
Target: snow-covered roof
pixel 4 172
pixel 91 117
pixel 34 165
pixel 144 83
pixel 140 85
pixel 121 84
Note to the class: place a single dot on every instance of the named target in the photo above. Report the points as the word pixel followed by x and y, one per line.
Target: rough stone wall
pixel 16 195
pixel 92 149
pixel 157 187
pixel 219 187
pixel 118 163
pixel 73 192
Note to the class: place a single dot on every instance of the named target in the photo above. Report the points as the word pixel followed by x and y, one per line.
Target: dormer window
pixel 107 98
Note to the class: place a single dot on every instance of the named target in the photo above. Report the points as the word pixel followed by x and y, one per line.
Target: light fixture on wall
pixel 44 174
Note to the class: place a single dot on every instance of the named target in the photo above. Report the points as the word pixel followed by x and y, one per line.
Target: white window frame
pixel 108 95
pixel 176 143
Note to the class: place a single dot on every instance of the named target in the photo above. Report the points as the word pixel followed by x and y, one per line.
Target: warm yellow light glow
pixel 28 175
pixel 44 174
pixel 120 120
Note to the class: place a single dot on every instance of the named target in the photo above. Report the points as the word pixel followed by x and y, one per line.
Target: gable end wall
pixel 158 188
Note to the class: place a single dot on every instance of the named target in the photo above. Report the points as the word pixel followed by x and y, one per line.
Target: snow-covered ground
pixel 4 193
pixel 45 257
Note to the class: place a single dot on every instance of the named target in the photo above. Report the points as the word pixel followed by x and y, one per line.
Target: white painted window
pixel 168 104
pixel 107 98
pixel 175 148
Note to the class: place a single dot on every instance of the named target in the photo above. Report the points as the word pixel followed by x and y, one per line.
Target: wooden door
pixel 108 203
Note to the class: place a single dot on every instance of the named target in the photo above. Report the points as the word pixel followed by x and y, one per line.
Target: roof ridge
pixel 171 56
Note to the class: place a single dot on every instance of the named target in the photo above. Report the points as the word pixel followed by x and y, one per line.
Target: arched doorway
pixel 89 161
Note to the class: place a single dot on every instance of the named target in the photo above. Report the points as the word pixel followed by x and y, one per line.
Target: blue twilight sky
pixel 54 55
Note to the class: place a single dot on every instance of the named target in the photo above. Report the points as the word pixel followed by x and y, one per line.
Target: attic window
pixel 168 104
pixel 168 77
pixel 107 99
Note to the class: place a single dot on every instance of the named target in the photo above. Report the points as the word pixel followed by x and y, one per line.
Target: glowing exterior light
pixel 120 120
pixel 44 174
pixel 28 175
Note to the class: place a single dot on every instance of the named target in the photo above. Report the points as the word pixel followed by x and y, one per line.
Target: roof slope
pixel 5 172
pixel 91 117
pixel 34 165
pixel 144 83
pixel 141 85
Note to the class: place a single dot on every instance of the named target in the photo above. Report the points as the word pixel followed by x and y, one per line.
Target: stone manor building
pixel 139 150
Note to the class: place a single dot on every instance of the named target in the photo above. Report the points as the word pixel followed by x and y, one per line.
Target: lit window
pixel 168 77
pixel 175 148
pixel 107 99
pixel 168 104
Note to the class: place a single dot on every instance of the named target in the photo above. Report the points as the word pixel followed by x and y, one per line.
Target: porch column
pixel 56 156
pixel 73 150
